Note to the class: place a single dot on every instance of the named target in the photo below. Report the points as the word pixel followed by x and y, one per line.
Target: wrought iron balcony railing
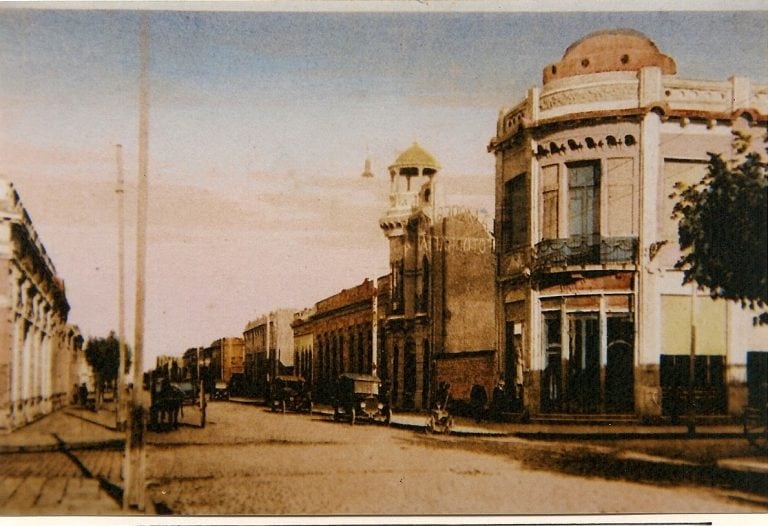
pixel 585 250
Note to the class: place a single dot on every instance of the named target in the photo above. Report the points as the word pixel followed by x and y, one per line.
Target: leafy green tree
pixel 103 355
pixel 722 229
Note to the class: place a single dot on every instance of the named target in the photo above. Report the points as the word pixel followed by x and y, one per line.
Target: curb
pixel 549 435
pixel 91 420
pixel 116 443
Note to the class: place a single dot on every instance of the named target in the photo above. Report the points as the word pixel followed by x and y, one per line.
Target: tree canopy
pixel 722 228
pixel 103 355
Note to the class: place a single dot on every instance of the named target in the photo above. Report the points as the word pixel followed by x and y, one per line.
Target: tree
pixel 722 229
pixel 103 355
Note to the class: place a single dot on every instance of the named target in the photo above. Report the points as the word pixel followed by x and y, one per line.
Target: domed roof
pixel 610 50
pixel 416 157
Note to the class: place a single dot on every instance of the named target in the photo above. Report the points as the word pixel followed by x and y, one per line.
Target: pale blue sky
pixel 260 123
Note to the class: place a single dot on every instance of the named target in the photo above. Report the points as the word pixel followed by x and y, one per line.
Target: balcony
pixel 585 250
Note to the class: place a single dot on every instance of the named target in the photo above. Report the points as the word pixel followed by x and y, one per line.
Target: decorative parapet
pixel 402 205
pixel 759 95
pixel 360 293
pixel 510 121
pixel 698 95
pixel 628 91
pixel 403 202
pixel 11 208
pixel 585 93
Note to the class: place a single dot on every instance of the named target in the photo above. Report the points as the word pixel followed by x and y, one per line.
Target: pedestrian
pixel 498 402
pixel 83 394
pixel 478 400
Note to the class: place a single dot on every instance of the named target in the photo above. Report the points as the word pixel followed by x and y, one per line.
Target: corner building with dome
pixel 592 317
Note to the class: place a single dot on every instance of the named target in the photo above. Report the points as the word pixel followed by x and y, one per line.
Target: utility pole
pixel 119 190
pixel 134 494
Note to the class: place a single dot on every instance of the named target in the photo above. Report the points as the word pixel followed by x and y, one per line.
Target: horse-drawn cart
pixel 167 406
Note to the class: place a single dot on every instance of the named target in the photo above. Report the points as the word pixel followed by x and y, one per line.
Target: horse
pixel 166 408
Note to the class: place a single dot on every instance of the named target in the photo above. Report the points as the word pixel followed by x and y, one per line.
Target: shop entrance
pixel 583 382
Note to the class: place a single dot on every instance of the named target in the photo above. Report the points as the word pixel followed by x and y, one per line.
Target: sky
pixel 260 123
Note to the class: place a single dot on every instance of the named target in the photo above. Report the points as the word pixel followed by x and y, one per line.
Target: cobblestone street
pixel 52 483
pixel 250 461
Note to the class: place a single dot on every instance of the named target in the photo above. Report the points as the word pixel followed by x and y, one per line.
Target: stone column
pixel 648 315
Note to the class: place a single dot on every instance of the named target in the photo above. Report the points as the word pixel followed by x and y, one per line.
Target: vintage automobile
pixel 221 391
pixel 290 393
pixel 358 398
pixel 187 392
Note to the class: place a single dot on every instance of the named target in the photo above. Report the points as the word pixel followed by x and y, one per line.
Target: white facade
pixel 36 345
pixel 593 317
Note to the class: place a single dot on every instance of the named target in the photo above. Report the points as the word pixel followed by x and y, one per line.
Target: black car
pixel 357 397
pixel 189 397
pixel 221 391
pixel 290 393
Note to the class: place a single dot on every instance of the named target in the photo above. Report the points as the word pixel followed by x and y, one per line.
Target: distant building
pixel 592 314
pixel 36 344
pixel 341 331
pixel 268 342
pixel 227 356
pixel 79 370
pixel 439 324
pixel 191 365
pixel 303 344
pixel 171 366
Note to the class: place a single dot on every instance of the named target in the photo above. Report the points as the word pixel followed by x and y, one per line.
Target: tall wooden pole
pixel 135 491
pixel 119 190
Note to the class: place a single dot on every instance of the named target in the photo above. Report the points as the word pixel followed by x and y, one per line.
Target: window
pixel 549 202
pixel 622 210
pixel 397 286
pixel 551 381
pixel 584 199
pixel 515 213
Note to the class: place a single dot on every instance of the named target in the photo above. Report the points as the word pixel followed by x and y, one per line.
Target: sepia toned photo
pixel 453 262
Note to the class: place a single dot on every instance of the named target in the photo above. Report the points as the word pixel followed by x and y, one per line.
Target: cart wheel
pixel 430 425
pixel 756 427
pixel 352 416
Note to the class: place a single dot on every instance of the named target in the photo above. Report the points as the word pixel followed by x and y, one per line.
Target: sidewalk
pixel 75 428
pixel 40 474
pixel 753 465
